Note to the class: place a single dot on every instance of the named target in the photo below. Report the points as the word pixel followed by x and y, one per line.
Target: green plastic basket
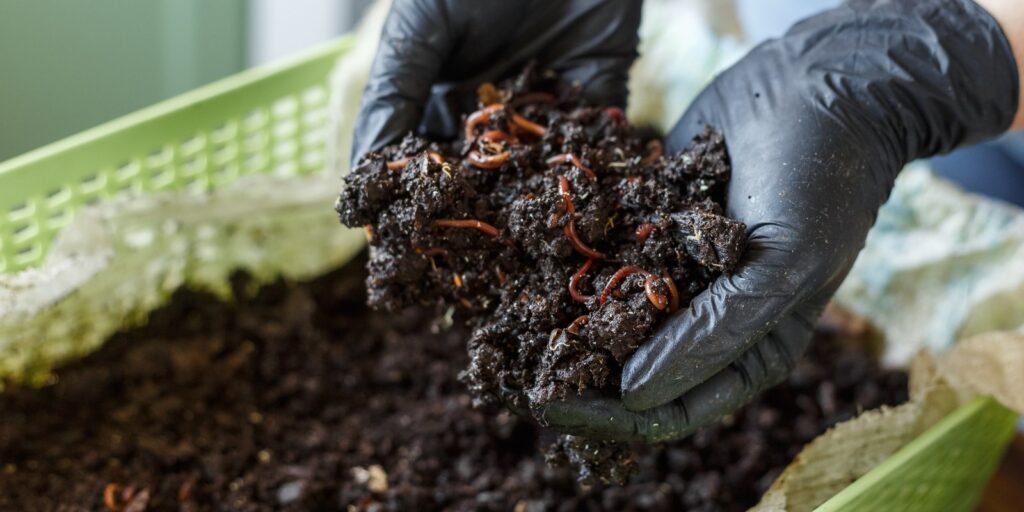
pixel 267 120
pixel 274 120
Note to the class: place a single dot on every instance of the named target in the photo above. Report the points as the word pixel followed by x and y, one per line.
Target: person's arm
pixel 1010 15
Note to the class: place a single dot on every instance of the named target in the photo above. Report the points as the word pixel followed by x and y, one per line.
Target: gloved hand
pixel 434 54
pixel 817 124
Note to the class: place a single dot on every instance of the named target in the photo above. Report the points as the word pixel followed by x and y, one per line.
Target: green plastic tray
pixel 267 120
pixel 273 120
pixel 944 469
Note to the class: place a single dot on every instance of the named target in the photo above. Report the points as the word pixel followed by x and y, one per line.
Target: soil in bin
pixel 300 398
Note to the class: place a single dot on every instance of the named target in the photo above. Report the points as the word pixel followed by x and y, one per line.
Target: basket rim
pixel 176 103
pixel 926 440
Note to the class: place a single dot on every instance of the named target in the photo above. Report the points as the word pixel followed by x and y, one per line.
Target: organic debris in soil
pixel 299 398
pixel 564 233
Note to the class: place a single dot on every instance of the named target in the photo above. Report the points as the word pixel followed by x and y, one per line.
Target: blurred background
pixel 67 66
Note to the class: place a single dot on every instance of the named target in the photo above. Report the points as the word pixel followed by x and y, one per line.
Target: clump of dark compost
pixel 300 399
pixel 562 232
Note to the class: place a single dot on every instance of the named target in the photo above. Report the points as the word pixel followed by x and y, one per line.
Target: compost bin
pixel 237 179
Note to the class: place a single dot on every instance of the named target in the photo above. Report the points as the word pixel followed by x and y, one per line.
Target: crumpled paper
pixel 120 260
pixel 939 265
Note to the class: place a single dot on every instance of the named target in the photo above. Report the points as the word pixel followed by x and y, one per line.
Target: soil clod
pixel 587 219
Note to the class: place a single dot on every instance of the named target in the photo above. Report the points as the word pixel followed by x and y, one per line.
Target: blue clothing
pixel 991 169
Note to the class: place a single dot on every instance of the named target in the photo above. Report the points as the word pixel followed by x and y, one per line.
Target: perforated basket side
pixel 944 469
pixel 266 120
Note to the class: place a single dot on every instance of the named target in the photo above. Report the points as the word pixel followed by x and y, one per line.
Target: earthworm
pixel 478 225
pixel 615 114
pixel 673 304
pixel 129 495
pixel 109 498
pixel 479 117
pixel 570 227
pixel 566 204
pixel 577 243
pixel 528 125
pixel 566 192
pixel 484 115
pixel 574 327
pixel 495 135
pixel 575 281
pixel 575 160
pixel 660 301
pixel 618 276
pixel 488 161
pixel 654 152
pixel 495 160
pixel 397 165
pixel 657 299
pixel 643 231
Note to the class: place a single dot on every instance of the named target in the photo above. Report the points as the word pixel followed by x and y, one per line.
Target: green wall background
pixel 68 65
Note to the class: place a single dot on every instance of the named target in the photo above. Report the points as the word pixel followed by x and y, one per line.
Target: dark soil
pixel 563 234
pixel 302 399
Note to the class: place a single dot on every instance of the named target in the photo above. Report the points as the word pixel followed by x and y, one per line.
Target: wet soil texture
pixel 564 235
pixel 300 398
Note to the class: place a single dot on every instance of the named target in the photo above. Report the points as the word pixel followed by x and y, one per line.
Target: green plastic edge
pixel 252 77
pixel 890 469
pixel 33 174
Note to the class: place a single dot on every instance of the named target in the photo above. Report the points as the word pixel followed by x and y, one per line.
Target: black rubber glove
pixel 817 124
pixel 434 54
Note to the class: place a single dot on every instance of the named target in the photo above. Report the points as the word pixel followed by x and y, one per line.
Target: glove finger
pixel 725 320
pixel 764 365
pixel 767 363
pixel 598 415
pixel 413 47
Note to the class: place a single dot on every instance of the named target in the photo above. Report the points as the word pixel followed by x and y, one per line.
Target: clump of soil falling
pixel 564 234
pixel 299 398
